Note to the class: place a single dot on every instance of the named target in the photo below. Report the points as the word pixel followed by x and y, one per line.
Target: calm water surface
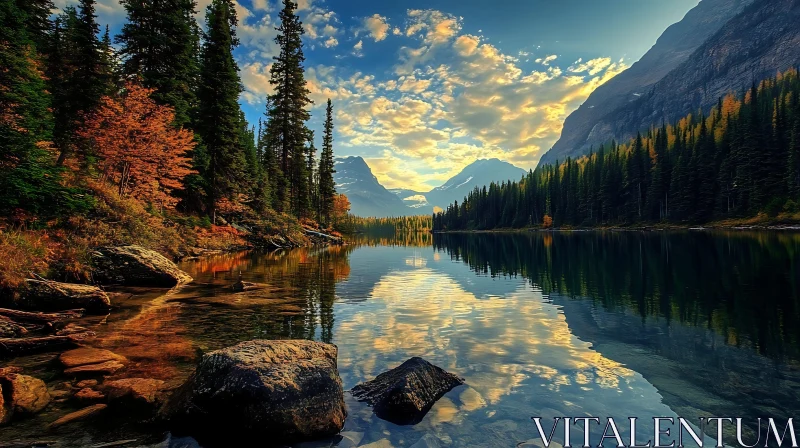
pixel 566 324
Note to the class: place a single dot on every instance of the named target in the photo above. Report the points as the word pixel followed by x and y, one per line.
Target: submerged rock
pixel 87 394
pixel 88 355
pixel 48 295
pixel 26 395
pixel 140 391
pixel 102 368
pixel 281 391
pixel 83 414
pixel 406 393
pixel 137 266
pixel 89 361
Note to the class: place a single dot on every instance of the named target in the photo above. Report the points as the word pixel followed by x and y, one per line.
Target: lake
pixel 576 324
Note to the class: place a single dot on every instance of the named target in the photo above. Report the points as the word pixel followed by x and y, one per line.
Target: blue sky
pixel 423 88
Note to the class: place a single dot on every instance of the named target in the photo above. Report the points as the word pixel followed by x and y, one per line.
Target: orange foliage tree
pixel 341 207
pixel 139 149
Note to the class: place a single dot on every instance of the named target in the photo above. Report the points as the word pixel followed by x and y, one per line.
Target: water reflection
pixel 580 324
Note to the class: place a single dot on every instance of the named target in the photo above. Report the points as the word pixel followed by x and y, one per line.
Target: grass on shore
pixel 61 248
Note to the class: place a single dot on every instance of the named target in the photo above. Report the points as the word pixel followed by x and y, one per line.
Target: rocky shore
pixel 275 393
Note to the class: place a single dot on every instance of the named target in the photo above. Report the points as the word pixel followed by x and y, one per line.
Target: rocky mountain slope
pixel 674 47
pixel 763 40
pixel 477 174
pixel 368 197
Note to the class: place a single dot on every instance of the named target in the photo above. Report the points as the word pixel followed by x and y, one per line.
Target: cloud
pixel 592 67
pixel 358 47
pixel 546 60
pixel 255 79
pixel 261 5
pixel 377 26
pixel 331 42
pixel 436 27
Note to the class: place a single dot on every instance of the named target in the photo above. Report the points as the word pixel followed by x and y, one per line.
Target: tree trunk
pixel 18 347
pixel 41 318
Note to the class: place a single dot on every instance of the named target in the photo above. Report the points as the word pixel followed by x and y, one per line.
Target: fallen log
pixel 41 318
pixel 24 346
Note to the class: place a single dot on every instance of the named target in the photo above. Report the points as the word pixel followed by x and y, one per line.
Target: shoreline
pixel 665 228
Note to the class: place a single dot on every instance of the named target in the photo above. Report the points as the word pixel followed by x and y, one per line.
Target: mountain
pixel 367 196
pixel 585 127
pixel 758 43
pixel 477 174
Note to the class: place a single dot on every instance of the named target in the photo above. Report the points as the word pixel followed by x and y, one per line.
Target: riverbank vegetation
pixel 146 143
pixel 739 164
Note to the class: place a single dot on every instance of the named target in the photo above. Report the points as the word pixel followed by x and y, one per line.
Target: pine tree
pixel 327 187
pixel 160 43
pixel 86 75
pixel 218 120
pixel 28 178
pixel 288 114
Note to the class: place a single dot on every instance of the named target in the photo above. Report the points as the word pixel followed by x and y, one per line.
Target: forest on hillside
pixel 739 161
pixel 139 138
pixel 157 116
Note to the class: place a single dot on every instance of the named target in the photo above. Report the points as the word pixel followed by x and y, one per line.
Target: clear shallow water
pixel 579 324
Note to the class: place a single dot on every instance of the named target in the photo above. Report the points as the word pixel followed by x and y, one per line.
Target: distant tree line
pixel 740 160
pixel 68 105
pixel 388 225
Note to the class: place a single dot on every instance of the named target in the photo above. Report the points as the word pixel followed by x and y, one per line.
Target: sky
pixel 421 89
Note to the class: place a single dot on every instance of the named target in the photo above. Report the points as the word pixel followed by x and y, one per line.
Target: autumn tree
pixel 139 149
pixel 341 207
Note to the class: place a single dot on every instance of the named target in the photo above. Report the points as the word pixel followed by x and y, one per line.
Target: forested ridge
pixel 739 160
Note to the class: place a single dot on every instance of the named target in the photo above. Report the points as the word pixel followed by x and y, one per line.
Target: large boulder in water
pixel 136 266
pixel 48 295
pixel 276 391
pixel 406 393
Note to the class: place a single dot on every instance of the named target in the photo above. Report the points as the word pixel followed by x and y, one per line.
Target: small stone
pixel 140 390
pixel 86 383
pixel 103 368
pixel 87 394
pixel 25 394
pixel 427 441
pixel 88 355
pixel 83 414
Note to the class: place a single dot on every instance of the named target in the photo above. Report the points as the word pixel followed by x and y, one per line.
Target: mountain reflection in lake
pixel 540 324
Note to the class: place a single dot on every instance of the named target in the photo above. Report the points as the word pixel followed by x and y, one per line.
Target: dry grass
pixel 63 249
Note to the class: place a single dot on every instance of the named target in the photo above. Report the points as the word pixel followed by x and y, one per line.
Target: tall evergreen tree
pixel 28 178
pixel 288 114
pixel 327 187
pixel 218 121
pixel 86 76
pixel 160 42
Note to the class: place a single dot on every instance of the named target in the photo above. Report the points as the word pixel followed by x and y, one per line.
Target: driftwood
pixel 40 318
pixel 24 346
